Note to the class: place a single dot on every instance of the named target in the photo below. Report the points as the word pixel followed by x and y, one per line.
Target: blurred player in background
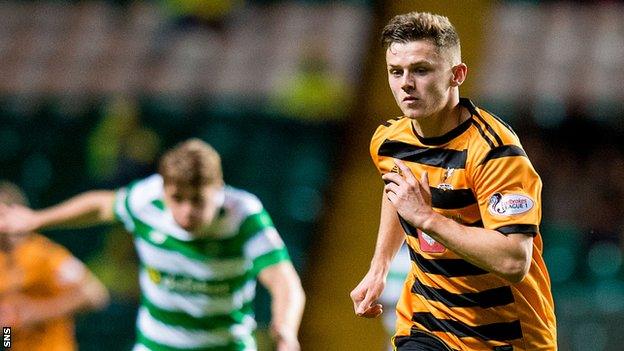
pixel 42 287
pixel 461 187
pixel 201 244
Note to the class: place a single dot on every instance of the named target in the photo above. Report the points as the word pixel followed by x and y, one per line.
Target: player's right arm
pixel 78 290
pixel 389 240
pixel 89 208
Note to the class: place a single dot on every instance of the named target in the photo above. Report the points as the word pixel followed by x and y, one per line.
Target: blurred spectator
pixel 314 92
pixel 212 13
pixel 121 148
pixel 117 266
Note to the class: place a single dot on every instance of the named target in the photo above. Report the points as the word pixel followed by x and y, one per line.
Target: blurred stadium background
pixel 289 92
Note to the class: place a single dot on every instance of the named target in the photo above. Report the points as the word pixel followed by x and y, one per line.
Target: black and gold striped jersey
pixel 479 176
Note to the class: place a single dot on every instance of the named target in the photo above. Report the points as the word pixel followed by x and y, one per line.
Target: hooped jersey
pixel 479 176
pixel 197 294
pixel 40 268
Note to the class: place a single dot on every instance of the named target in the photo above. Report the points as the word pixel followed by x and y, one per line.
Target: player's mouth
pixel 410 99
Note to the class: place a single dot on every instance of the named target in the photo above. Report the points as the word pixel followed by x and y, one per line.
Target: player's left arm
pixel 78 290
pixel 287 303
pixel 506 255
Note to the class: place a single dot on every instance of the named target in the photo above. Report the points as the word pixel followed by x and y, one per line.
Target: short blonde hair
pixel 415 26
pixel 191 163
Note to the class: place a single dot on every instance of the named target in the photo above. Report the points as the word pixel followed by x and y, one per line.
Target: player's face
pixel 420 77
pixel 193 208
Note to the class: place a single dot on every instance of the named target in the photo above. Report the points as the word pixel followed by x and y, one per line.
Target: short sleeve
pixel 376 141
pixel 131 200
pixel 264 247
pixel 508 191
pixel 122 209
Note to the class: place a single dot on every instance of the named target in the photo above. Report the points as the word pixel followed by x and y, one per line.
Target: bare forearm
pixel 88 295
pixel 507 256
pixel 287 298
pixel 287 308
pixel 86 209
pixel 389 238
pixel 53 308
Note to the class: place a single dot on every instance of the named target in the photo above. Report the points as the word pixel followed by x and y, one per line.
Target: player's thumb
pixel 424 182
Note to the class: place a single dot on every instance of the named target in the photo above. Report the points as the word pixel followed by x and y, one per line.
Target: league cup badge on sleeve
pixel 509 204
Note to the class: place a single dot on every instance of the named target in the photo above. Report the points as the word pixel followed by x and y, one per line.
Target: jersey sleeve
pixel 376 140
pixel 508 191
pixel 132 199
pixel 264 246
pixel 122 208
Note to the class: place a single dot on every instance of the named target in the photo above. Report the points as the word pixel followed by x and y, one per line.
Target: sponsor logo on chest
pixel 428 244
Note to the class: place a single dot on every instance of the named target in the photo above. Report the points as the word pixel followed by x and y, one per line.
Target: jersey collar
pixel 453 133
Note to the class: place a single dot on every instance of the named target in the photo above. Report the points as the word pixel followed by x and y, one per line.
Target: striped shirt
pixel 197 294
pixel 479 176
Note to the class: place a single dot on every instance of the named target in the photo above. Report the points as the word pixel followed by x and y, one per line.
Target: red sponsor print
pixel 428 244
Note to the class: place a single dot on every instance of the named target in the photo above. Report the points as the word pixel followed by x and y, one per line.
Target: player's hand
pixel 365 295
pixel 16 219
pixel 285 340
pixel 410 197
pixel 8 314
pixel 26 311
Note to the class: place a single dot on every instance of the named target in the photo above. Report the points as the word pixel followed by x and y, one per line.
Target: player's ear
pixel 459 74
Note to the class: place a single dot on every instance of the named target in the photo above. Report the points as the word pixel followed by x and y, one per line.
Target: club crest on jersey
pixel 428 244
pixel 444 184
pixel 509 204
pixel 397 170
pixel 157 237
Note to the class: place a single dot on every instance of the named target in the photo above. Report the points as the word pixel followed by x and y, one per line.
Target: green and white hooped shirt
pixel 197 294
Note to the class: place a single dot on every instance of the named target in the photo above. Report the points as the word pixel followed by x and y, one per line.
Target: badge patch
pixel 428 244
pixel 509 204
pixel 157 237
pixel 444 184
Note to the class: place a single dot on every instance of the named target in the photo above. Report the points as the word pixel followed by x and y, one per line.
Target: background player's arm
pixel 287 303
pixel 89 208
pixel 508 256
pixel 389 240
pixel 86 293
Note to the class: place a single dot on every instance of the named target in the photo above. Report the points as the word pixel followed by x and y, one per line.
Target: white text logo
pixel 509 204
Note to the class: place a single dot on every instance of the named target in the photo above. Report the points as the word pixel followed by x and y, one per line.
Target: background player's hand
pixel 8 314
pixel 19 310
pixel 285 340
pixel 287 345
pixel 410 197
pixel 365 295
pixel 16 219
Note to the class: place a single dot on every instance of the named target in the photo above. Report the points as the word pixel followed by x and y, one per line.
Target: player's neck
pixel 441 123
